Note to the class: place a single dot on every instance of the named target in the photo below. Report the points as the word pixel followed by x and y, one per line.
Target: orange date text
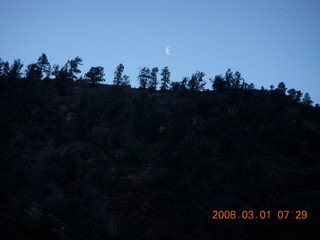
pixel 262 214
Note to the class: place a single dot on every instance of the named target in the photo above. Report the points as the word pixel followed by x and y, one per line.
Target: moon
pixel 168 50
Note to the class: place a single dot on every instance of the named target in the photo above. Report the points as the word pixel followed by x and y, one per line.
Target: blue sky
pixel 268 41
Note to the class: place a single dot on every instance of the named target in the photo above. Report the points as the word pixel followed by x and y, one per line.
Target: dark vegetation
pixel 83 160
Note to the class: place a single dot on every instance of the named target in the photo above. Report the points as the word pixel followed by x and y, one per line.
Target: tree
pixel 1 66
pixel 229 78
pixel 237 79
pixel 282 88
pixel 271 87
pixel 125 80
pixel 143 77
pixel 295 95
pixel 60 74
pixel 95 75
pixel 4 68
pixel 183 83
pixel 117 80
pixel 231 81
pixel 72 68
pixel 307 99
pixel 55 70
pixel 68 71
pixel 165 80
pixel 218 83
pixel 44 65
pixel 175 86
pixel 66 75
pixel 251 86
pixel 179 86
pixel 244 85
pixel 15 69
pixel 152 84
pixel 34 72
pixel 196 82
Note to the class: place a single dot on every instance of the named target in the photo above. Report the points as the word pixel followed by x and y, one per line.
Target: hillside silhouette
pixel 83 160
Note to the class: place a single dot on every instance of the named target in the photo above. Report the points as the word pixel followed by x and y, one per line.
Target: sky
pixel 267 41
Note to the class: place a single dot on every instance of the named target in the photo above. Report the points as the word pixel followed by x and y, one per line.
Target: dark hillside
pixel 112 162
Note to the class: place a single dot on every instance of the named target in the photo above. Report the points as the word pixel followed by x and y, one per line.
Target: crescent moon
pixel 168 50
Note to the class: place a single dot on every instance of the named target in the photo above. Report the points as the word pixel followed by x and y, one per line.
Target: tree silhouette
pixel 117 80
pixel 143 77
pixel 4 68
pixel 95 75
pixel 179 86
pixel 15 69
pixel 68 71
pixel 57 72
pixel 307 99
pixel 61 74
pixel 218 83
pixel 120 79
pixel 1 66
pixel 125 80
pixel 183 83
pixel 295 95
pixel 72 66
pixel 228 77
pixel 44 65
pixel 251 86
pixel 34 72
pixel 66 75
pixel 165 80
pixel 237 79
pixel 152 83
pixel 282 88
pixel 196 83
pixel 231 81
pixel 175 86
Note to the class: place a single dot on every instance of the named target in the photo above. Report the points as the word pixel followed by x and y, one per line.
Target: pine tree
pixel 117 80
pixel 218 83
pixel 237 79
pixel 44 65
pixel 282 88
pixel 68 71
pixel 307 99
pixel 15 69
pixel 295 95
pixel 152 84
pixel 229 78
pixel 73 67
pixel 34 72
pixel 165 80
pixel 143 77
pixel 196 82
pixel 95 75
pixel 4 68
pixel 125 80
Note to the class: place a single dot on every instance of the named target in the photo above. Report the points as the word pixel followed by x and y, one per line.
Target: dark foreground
pixel 109 162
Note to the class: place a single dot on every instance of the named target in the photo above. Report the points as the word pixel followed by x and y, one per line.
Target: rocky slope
pixel 107 162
